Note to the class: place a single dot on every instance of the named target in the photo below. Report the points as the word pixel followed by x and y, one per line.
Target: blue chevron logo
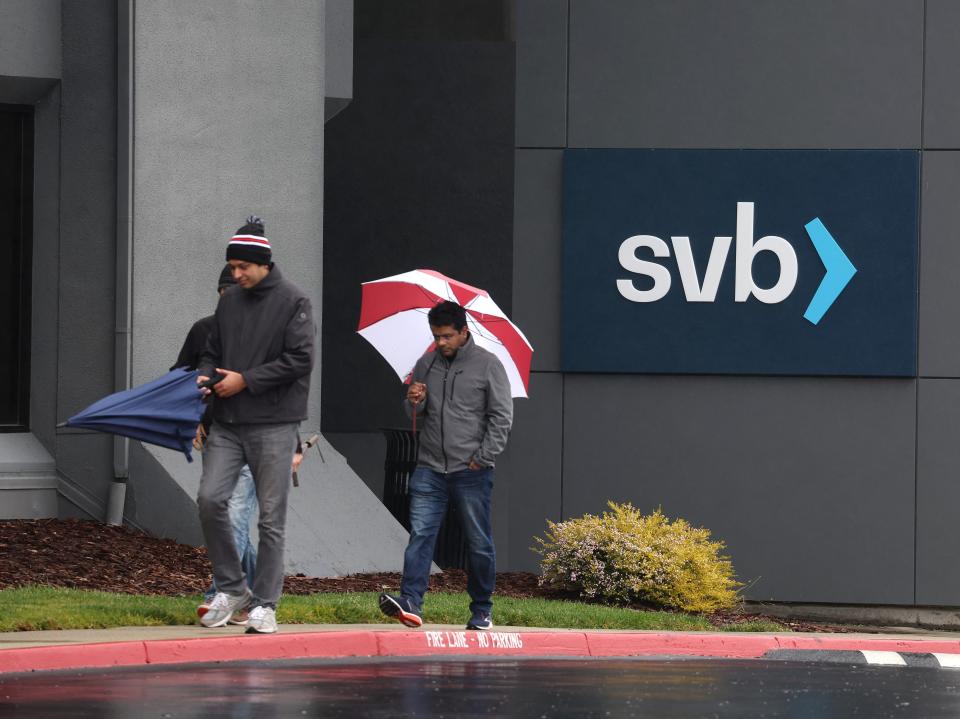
pixel 840 271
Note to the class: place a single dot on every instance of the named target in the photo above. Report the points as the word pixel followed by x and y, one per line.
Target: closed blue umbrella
pixel 165 412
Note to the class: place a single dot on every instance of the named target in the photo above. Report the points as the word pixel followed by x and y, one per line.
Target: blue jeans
pixel 240 509
pixel 430 492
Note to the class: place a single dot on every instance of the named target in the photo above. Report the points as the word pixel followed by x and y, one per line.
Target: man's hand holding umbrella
pixel 228 384
pixel 416 393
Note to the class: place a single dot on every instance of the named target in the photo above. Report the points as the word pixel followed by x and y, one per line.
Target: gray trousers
pixel 268 449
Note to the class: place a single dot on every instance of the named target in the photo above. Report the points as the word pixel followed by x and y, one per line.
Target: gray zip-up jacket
pixel 266 334
pixel 468 410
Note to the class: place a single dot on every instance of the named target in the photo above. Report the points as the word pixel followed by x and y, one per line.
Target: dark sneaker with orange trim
pixel 401 609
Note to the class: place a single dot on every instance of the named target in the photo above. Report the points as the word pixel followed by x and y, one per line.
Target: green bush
pixel 624 557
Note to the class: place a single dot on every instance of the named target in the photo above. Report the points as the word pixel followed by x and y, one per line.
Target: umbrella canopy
pixel 164 412
pixel 393 318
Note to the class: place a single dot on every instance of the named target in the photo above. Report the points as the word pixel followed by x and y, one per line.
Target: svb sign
pixel 721 261
pixel 839 269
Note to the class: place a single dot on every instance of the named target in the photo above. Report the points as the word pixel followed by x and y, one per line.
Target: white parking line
pixel 890 658
pixel 948 660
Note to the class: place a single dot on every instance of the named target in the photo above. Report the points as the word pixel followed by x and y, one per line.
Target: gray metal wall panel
pixel 529 474
pixel 939 341
pixel 30 38
pixel 938 492
pixel 742 73
pixel 810 482
pixel 941 101
pixel 537 230
pixel 541 31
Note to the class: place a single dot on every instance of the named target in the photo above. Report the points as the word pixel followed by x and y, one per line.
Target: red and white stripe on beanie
pixel 249 244
pixel 250 240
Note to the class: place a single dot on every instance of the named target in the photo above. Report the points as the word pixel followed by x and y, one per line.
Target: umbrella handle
pixel 415 442
pixel 315 440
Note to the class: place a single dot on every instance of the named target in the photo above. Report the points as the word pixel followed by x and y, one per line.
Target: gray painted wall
pixel 335 524
pixel 46 262
pixel 30 38
pixel 88 190
pixel 229 121
pixel 849 491
pixel 30 58
pixel 338 55
pixel 226 118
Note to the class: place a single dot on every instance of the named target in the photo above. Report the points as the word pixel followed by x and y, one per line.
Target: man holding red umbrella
pixel 462 393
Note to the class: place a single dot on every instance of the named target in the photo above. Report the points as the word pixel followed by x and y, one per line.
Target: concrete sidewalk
pixel 138 646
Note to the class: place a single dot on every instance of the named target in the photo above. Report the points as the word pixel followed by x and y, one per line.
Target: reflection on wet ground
pixel 460 688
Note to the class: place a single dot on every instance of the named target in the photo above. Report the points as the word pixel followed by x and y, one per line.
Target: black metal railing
pixel 451 550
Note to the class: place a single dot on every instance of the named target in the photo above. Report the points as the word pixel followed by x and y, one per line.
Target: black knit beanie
pixel 226 278
pixel 249 244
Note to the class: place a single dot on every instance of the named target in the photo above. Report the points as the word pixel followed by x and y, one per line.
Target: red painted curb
pixel 112 654
pixel 422 643
pixel 839 642
pixel 680 643
pixel 274 646
pixel 337 644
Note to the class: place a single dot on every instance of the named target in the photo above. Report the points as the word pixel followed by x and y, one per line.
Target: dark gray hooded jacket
pixel 468 410
pixel 266 334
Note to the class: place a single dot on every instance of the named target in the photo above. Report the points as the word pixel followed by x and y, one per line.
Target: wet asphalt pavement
pixel 537 688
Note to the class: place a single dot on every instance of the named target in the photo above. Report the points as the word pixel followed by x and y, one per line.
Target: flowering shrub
pixel 624 556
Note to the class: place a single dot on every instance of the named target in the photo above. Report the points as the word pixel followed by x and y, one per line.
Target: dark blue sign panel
pixel 740 261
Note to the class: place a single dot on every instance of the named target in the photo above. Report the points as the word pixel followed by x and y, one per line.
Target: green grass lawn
pixel 39 607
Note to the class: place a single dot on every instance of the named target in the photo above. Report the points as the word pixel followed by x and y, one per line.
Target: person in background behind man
pixel 262 344
pixel 463 393
pixel 243 501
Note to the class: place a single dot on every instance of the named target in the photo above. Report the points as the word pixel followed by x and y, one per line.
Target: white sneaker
pixel 222 608
pixel 263 620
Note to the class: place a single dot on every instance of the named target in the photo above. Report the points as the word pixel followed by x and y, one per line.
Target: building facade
pixel 517 146
pixel 147 133
pixel 827 486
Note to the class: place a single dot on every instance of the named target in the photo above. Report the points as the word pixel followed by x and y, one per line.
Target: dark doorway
pixel 16 182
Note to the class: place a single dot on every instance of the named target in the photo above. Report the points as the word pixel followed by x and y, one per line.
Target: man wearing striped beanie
pixel 249 244
pixel 262 348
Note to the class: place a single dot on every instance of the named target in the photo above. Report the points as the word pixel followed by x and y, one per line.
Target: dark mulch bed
pixel 90 555
pixel 81 554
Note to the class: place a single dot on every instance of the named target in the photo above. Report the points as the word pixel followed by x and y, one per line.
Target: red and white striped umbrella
pixel 393 318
